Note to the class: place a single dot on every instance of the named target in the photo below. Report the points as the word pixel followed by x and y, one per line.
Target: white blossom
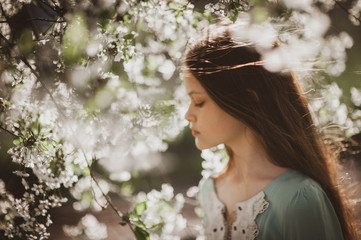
pixel 355 12
pixel 356 96
pixel 88 228
pixel 215 160
pixel 163 208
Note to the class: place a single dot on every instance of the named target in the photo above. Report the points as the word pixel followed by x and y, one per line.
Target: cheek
pixel 227 126
pixel 216 122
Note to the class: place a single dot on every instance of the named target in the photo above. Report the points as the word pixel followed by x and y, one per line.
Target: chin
pixel 202 146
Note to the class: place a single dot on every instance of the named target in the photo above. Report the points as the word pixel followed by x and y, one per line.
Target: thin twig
pixel 9 43
pixel 25 61
pixel 31 68
pixel 348 12
pixel 11 133
pixel 47 4
pixel 107 198
pixel 34 19
pixel 53 2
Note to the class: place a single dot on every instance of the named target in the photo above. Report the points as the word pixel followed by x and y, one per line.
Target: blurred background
pixel 180 164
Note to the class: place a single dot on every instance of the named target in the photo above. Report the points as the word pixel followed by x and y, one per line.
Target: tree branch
pixel 34 19
pixel 3 12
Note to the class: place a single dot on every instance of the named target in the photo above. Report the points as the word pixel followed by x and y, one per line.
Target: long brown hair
pixel 269 103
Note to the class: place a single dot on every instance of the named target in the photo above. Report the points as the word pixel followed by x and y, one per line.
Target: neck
pixel 250 162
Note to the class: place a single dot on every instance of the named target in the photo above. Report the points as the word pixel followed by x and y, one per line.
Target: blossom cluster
pixel 160 210
pixel 330 111
pixel 83 94
pixel 27 217
pixel 215 160
pixel 87 228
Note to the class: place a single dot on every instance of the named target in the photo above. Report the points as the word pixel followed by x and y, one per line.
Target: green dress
pixel 291 207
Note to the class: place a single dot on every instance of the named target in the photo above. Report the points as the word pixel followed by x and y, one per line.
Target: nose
pixel 190 116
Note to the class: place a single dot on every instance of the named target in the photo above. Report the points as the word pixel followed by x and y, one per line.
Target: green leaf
pixel 126 18
pixel 18 141
pixel 258 2
pixel 233 18
pixel 174 6
pixel 85 172
pixel 25 42
pixel 129 36
pixel 87 197
pixel 140 208
pixel 127 189
pixel 139 223
pixel 141 234
pixel 259 14
pixel 75 40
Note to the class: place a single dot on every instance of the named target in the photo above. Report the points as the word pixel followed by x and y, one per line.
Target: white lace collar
pixel 244 226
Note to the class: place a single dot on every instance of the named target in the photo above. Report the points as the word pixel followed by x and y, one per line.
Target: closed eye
pixel 199 104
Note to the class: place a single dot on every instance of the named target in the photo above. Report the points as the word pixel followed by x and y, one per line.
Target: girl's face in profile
pixel 210 124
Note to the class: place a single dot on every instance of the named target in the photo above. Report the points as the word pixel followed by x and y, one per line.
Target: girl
pixel 278 182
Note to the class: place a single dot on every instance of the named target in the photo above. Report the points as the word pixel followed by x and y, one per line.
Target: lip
pixel 194 132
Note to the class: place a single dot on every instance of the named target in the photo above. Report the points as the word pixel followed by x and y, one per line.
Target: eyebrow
pixel 194 92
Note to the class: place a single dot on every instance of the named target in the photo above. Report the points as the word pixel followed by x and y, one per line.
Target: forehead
pixel 192 84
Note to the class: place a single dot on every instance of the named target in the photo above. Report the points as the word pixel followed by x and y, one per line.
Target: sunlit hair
pixel 271 104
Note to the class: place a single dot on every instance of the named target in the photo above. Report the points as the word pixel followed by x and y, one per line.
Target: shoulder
pixel 296 192
pixel 303 208
pixel 293 185
pixel 308 200
pixel 311 212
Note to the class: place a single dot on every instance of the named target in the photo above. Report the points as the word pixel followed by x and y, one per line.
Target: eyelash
pixel 199 104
